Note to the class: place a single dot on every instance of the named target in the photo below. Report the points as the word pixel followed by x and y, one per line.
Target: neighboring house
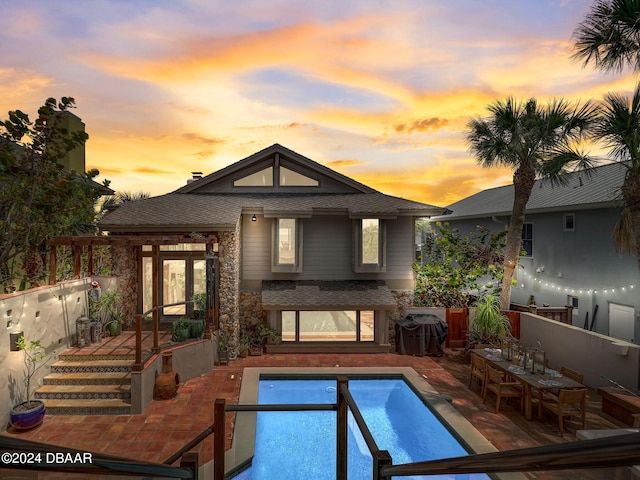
pixel 570 256
pixel 326 260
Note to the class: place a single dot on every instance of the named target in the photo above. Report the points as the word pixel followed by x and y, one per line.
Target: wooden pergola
pixel 78 243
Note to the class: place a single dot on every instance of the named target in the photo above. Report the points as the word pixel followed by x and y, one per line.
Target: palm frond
pixel 622 235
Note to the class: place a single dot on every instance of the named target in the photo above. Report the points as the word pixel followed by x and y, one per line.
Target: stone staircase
pixel 88 384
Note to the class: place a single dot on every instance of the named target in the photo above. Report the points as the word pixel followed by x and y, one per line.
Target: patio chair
pixel 495 382
pixel 571 402
pixel 555 392
pixel 477 372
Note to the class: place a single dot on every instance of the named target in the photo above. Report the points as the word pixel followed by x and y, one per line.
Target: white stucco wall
pixel 593 354
pixel 47 314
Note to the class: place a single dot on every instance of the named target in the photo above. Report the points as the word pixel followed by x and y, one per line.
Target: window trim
pixel 358 330
pixel 358 265
pixel 564 222
pixel 528 254
pixel 296 267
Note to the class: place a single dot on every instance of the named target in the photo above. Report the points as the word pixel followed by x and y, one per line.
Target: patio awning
pixel 327 295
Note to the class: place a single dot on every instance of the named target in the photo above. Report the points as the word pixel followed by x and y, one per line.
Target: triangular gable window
pixel 289 178
pixel 263 178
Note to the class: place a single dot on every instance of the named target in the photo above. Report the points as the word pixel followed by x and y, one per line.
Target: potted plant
pixel 199 305
pixel 243 346
pixel 262 335
pixel 489 325
pixel 222 337
pixel 180 330
pixel 109 309
pixel 30 413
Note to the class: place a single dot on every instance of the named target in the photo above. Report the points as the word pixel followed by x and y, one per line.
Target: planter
pixel 114 328
pixel 256 350
pixel 27 415
pixel 167 381
pixel 223 357
pixel 196 328
pixel 180 331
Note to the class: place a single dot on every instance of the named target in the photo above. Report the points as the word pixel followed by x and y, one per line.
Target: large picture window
pixel 328 326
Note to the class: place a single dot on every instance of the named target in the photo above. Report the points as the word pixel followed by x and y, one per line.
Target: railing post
pixel 219 435
pixel 155 267
pixel 190 460
pixel 341 439
pixel 137 366
pixel 381 458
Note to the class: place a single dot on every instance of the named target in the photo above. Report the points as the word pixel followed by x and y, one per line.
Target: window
pixel 289 178
pixel 569 222
pixel 263 178
pixel 328 326
pixel 287 245
pixel 369 245
pixel 527 239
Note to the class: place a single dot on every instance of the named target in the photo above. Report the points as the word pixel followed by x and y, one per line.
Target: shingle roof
pixel 182 211
pixel 329 295
pixel 600 188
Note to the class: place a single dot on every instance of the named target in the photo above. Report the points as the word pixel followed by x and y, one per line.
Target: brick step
pixel 91 378
pixel 92 366
pixel 81 392
pixel 77 357
pixel 114 406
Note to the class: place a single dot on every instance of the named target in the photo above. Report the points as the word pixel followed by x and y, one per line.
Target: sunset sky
pixel 380 91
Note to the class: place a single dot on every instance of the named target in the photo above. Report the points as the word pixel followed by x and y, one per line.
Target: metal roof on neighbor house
pixel 595 189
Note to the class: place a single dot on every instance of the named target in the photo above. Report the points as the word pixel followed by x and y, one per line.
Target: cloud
pixel 344 163
pixel 423 125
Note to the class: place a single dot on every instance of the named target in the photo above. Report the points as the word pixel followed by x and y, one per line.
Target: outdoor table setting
pixel 527 367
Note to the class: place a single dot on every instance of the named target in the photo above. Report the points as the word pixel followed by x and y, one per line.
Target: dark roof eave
pixel 160 229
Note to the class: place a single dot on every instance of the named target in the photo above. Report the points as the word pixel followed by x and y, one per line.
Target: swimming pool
pixel 301 445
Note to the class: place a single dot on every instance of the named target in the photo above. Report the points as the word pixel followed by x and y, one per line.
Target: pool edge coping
pixel 243 441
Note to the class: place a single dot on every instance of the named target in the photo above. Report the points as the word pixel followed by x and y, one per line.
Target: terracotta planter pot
pixel 167 381
pixel 27 415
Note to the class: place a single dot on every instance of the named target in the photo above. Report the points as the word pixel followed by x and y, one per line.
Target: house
pixel 570 256
pixel 324 259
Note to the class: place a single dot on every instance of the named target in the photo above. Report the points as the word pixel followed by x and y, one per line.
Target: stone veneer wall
pixel 229 288
pixel 251 312
pixel 404 299
pixel 125 267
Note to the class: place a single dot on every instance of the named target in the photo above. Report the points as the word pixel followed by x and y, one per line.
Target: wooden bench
pixel 620 405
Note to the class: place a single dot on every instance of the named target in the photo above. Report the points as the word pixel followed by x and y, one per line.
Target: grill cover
pixel 421 334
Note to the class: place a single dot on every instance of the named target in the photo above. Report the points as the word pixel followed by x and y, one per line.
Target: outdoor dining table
pixel 550 380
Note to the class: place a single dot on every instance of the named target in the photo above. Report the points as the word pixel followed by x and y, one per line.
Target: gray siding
pixel 581 260
pixel 327 251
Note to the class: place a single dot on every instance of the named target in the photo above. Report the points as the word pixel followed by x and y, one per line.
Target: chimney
pixel 196 176
pixel 75 159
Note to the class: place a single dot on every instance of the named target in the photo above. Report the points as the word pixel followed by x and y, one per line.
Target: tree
pixel 619 129
pixel 609 36
pixel 456 268
pixel 38 197
pixel 536 142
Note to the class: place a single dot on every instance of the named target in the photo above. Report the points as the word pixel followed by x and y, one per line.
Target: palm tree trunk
pixel 523 181
pixel 631 194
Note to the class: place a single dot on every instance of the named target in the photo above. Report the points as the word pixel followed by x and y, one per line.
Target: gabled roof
pixel 212 203
pixel 599 188
pixel 268 154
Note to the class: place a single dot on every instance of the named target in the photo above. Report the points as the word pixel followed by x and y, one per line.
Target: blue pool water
pixel 302 445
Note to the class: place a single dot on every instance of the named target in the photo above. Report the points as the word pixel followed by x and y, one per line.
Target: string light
pixel 553 286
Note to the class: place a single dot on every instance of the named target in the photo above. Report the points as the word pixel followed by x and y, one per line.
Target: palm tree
pixel 537 142
pixel 619 129
pixel 609 36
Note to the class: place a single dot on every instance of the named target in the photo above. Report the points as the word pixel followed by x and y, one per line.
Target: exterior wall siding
pixel 327 251
pixel 582 260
